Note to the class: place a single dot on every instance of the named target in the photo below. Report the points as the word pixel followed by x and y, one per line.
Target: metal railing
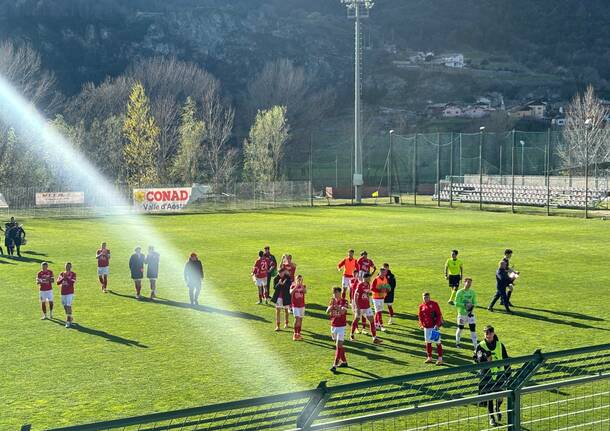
pixel 566 390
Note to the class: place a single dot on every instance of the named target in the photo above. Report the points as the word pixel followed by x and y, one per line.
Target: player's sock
pixel 373 331
pixel 343 358
pixel 354 326
pixel 429 349
pixel 458 335
pixel 44 308
pixel 337 355
pixel 51 306
pixel 439 350
pixel 473 337
pixel 363 322
pixel 380 318
pixel 453 293
pixel 391 310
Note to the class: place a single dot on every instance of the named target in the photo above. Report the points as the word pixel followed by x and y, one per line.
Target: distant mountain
pixel 566 41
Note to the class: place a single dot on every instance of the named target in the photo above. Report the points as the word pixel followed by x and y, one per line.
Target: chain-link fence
pixel 511 171
pixel 564 390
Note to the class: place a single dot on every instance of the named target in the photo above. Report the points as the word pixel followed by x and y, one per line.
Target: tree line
pixel 162 121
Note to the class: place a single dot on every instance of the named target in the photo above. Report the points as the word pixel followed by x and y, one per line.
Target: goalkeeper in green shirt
pixel 465 301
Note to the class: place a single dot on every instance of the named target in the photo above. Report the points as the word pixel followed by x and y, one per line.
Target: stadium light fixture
pixel 357 10
pixel 522 162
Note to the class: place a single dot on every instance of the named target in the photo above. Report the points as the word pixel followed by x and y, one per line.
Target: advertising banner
pixel 161 199
pixel 3 203
pixel 60 198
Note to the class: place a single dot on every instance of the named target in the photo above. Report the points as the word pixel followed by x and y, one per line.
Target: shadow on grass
pixel 366 375
pixel 564 314
pixel 6 262
pixel 103 334
pixel 34 253
pixel 202 308
pixel 28 259
pixel 519 313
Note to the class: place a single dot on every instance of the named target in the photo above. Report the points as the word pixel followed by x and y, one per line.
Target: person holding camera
pixel 465 302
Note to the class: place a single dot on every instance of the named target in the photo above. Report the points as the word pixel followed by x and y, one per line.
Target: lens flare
pixel 36 133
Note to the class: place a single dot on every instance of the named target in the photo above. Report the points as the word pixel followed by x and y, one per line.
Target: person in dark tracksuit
pixel 502 282
pixel 389 299
pixel 272 271
pixel 494 379
pixel 17 235
pixel 136 268
pixel 281 297
pixel 193 277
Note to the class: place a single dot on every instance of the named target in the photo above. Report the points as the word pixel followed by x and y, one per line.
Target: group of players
pixel 14 237
pixel 363 286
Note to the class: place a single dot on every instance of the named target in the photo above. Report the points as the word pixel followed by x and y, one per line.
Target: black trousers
pixel 500 294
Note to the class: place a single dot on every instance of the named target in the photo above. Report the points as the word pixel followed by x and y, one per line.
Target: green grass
pixel 132 358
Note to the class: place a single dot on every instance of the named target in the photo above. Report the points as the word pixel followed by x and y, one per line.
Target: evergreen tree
pixel 142 134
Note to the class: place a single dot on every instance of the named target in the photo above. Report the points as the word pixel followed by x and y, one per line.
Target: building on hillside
pixel 452 110
pixel 453 60
pixel 559 121
pixel 536 109
pixel 478 110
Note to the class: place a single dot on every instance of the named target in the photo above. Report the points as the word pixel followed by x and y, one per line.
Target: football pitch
pixel 129 357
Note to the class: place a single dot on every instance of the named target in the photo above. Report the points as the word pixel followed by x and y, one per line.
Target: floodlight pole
pixel 357 9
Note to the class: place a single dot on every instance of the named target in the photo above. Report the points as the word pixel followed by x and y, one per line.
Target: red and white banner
pixel 161 200
pixel 60 198
pixel 3 203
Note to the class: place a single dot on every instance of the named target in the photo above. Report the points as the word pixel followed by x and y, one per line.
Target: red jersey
pixel 338 312
pixel 353 284
pixel 430 315
pixel 365 264
pixel 66 280
pixel 103 260
pixel 380 287
pixel 291 267
pixel 261 267
pixel 349 266
pixel 297 297
pixel 361 295
pixel 45 280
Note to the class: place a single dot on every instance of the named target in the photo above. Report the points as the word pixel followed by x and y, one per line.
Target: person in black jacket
pixel 281 297
pixel 389 299
pixel 136 267
pixel 193 277
pixel 502 281
pixel 492 379
pixel 17 235
pixel 272 269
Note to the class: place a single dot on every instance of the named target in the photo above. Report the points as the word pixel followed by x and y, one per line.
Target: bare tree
pixel 219 159
pixel 281 83
pixel 580 138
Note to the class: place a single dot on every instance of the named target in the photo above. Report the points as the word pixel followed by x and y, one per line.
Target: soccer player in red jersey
pixel 363 304
pixel 431 319
pixel 259 274
pixel 45 280
pixel 297 294
pixel 67 280
pixel 350 266
pixel 380 289
pixel 103 261
pixel 366 265
pixel 337 310
pixel 289 266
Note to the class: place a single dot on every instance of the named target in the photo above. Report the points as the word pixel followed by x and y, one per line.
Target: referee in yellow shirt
pixel 454 270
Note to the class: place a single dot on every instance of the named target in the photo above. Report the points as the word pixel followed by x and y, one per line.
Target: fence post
pixel 514 399
pixel 415 170
pixel 438 169
pixel 451 173
pixel 311 170
pixel 586 171
pixel 389 161
pixel 548 173
pixel 481 168
pixel 460 157
pixel 314 406
pixel 512 173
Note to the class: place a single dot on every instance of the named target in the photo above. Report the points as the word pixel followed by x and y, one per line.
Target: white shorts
pixel 466 320
pixel 364 312
pixel 260 282
pixel 298 311
pixel 280 303
pixel 102 270
pixel 337 333
pixel 66 300
pixel 46 295
pixel 346 281
pixel 378 304
pixel 427 332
